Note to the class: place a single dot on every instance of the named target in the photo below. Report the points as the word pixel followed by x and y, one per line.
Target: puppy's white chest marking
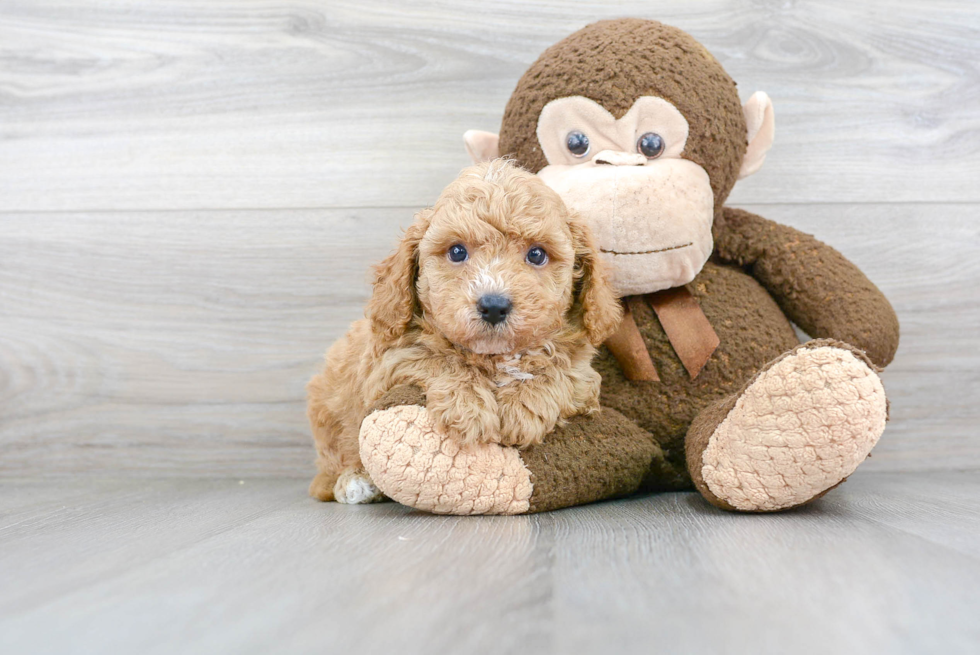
pixel 510 369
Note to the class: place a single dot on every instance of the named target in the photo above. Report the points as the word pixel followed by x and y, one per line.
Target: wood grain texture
pixel 888 563
pixel 179 343
pixel 269 104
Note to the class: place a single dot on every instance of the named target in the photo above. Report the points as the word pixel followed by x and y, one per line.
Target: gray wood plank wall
pixel 191 193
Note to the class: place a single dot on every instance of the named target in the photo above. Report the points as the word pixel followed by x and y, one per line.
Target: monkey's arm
pixel 589 458
pixel 816 286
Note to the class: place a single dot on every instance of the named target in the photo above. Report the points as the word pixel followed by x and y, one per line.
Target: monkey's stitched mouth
pixel 648 252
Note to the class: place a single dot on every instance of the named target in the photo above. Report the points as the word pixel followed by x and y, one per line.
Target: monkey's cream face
pixel 496 269
pixel 650 210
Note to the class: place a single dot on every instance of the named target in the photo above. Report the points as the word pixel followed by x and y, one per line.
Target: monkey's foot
pixel 416 466
pixel 795 431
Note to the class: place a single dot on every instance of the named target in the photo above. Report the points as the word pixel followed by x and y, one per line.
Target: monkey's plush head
pixel 638 128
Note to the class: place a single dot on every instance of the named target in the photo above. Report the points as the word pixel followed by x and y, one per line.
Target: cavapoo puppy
pixel 493 304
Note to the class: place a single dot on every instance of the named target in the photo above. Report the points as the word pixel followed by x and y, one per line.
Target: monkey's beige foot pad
pixel 798 429
pixel 415 465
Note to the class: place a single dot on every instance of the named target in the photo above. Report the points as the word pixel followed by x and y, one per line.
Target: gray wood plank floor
pixel 888 563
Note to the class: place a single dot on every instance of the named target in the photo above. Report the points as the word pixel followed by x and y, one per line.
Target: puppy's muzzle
pixel 494 308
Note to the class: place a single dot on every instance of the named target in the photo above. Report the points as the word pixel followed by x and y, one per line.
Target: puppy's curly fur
pixel 509 382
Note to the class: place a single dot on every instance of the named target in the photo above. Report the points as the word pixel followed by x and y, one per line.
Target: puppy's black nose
pixel 494 308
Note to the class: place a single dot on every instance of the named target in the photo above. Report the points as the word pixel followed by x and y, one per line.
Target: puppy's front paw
pixel 355 487
pixel 522 426
pixel 466 423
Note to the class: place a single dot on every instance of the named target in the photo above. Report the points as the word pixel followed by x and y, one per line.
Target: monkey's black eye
pixel 457 253
pixel 537 256
pixel 650 145
pixel 578 143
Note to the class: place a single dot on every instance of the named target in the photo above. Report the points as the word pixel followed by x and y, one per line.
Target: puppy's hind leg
pixel 332 457
pixel 329 470
pixel 355 487
pixel 340 475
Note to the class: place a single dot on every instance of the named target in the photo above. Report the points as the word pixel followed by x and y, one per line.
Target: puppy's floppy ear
pixel 395 298
pixel 601 312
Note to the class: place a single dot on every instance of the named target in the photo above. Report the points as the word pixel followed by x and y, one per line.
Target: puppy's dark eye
pixel 537 256
pixel 650 145
pixel 577 143
pixel 457 253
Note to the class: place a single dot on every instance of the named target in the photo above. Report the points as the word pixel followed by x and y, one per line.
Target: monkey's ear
pixel 395 301
pixel 761 123
pixel 482 146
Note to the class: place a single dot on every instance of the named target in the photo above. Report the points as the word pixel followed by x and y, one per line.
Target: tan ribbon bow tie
pixel 687 328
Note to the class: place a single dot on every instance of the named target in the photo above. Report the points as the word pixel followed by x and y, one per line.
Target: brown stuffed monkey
pixel 705 384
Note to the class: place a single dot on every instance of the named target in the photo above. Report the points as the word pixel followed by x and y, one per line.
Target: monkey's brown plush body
pixel 717 394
